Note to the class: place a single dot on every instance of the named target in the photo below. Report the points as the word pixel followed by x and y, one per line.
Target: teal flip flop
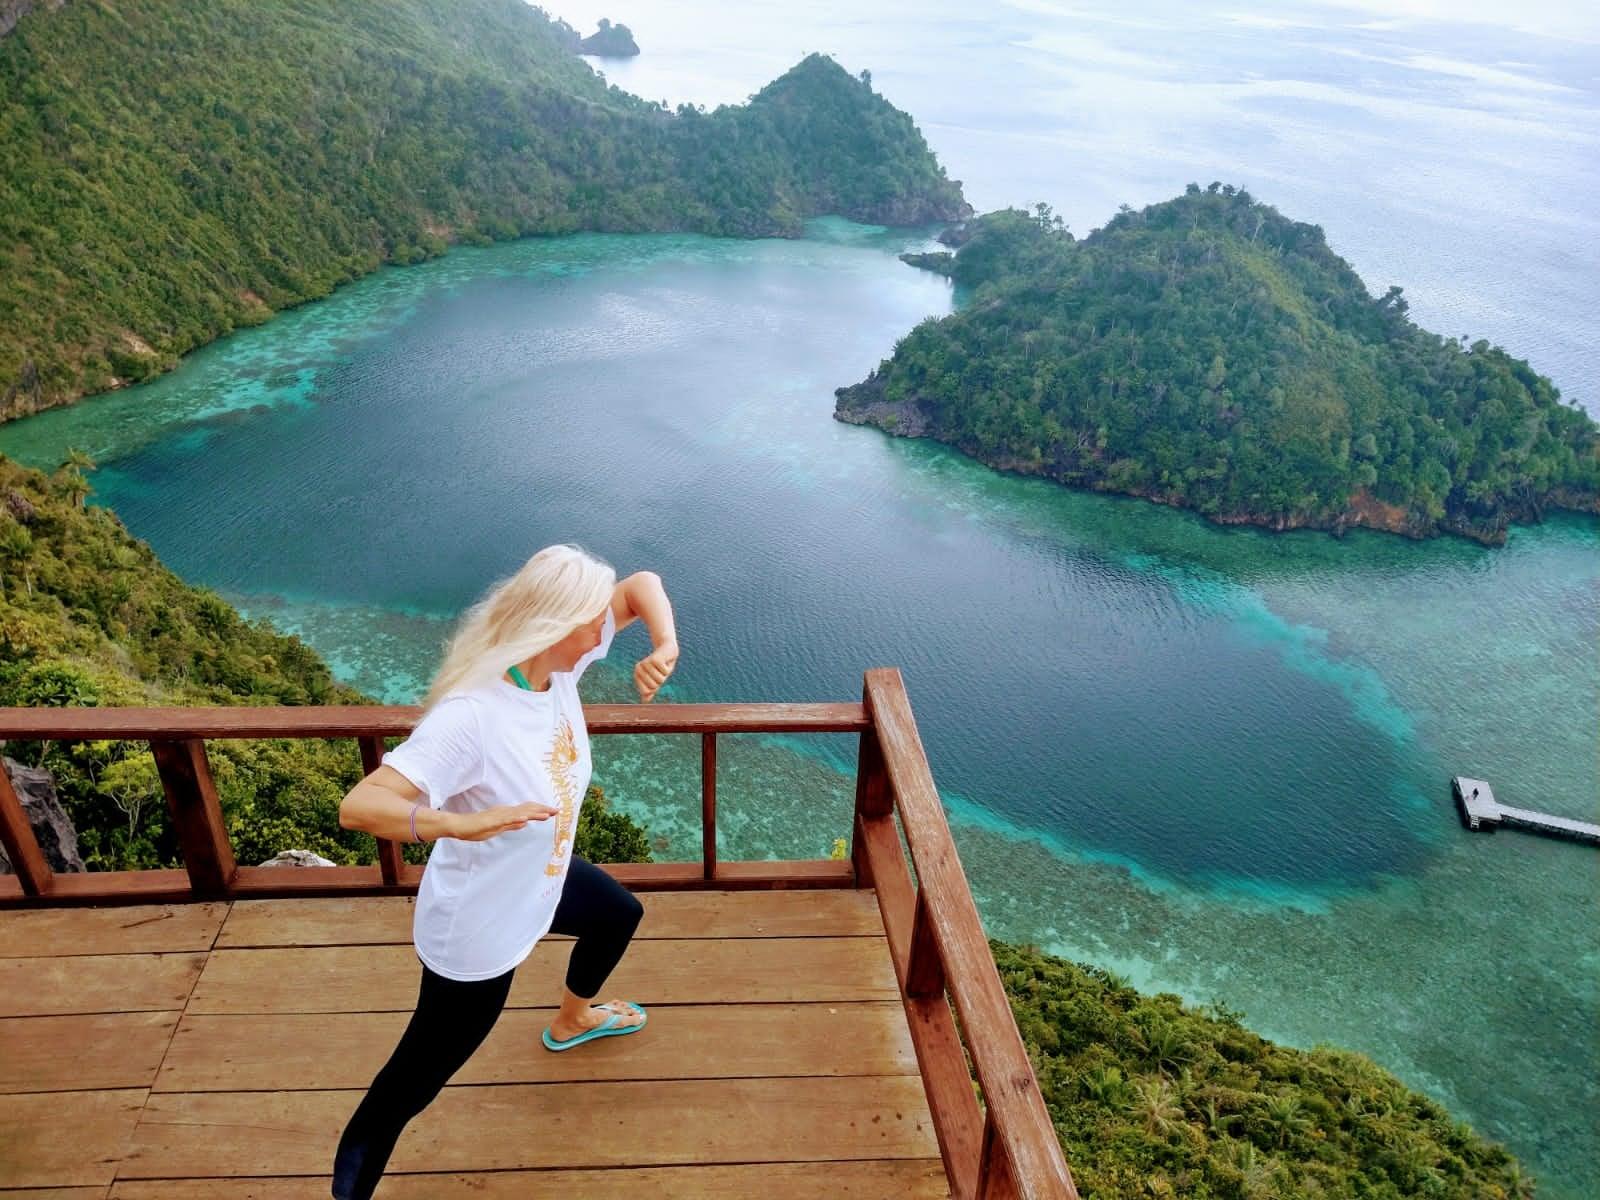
pixel 606 1028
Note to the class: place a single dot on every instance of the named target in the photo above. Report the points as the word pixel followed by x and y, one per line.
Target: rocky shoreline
pixel 910 419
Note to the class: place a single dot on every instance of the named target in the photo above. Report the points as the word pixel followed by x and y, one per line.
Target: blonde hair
pixel 556 591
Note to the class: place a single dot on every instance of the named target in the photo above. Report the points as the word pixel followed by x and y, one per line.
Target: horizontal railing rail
pixel 322 721
pixel 935 937
pixel 177 737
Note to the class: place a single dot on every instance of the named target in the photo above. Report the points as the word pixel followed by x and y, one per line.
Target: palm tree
pixel 1285 1113
pixel 1166 1044
pixel 1217 1121
pixel 1105 1085
pixel 1155 1105
pixel 71 474
pixel 1256 1169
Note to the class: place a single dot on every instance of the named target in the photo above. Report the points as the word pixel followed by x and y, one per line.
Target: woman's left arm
pixel 642 595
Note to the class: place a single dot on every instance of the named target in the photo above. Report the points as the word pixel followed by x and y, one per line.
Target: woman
pixel 496 771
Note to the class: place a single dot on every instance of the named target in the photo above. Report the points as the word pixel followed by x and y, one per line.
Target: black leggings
pixel 453 1018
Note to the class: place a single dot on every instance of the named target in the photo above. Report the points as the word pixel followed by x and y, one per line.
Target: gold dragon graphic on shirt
pixel 561 760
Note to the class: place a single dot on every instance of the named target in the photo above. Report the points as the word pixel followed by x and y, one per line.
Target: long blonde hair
pixel 556 591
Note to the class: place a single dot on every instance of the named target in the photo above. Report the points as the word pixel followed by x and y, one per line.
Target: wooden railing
pixel 937 943
pixel 1005 1148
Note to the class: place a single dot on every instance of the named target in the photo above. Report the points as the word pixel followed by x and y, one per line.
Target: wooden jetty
pixel 203 1033
pixel 1482 813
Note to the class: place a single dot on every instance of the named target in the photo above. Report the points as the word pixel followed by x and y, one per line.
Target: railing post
pixel 994 1168
pixel 388 851
pixel 708 803
pixel 924 970
pixel 873 799
pixel 22 848
pixel 196 815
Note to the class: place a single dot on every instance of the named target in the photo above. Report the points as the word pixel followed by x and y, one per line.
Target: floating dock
pixel 1480 812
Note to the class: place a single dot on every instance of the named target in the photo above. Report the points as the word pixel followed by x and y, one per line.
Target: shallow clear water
pixel 1215 760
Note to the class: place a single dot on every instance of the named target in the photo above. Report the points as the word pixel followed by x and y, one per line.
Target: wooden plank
pixel 99 1052
pixel 93 1192
pixel 886 862
pixel 805 873
pixel 1010 1090
pixel 708 804
pixel 659 971
pixel 103 888
pixel 941 1059
pixel 47 1143
pixel 148 887
pixel 154 929
pixel 884 1179
pixel 228 1134
pixel 92 983
pixel 33 873
pixel 322 721
pixel 262 882
pixel 873 799
pixel 994 1172
pixel 924 970
pixel 380 920
pixel 196 814
pixel 390 864
pixel 720 1041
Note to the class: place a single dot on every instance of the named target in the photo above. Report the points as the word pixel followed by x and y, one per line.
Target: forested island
pixel 173 173
pixel 1149 1097
pixel 1211 354
pixel 609 41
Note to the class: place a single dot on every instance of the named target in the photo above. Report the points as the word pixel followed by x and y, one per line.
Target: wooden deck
pixel 215 1050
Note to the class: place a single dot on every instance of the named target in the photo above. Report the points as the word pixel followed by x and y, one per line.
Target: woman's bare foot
pixel 564 1028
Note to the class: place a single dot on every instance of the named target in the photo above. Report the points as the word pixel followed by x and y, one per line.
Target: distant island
pixel 1211 354
pixel 612 41
pixel 290 155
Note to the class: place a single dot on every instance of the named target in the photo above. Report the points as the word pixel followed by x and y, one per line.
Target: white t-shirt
pixel 483 906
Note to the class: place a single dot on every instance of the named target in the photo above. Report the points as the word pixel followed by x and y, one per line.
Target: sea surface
pixel 1215 760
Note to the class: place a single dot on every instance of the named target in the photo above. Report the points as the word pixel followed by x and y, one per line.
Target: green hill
pixel 1155 1099
pixel 1211 354
pixel 174 171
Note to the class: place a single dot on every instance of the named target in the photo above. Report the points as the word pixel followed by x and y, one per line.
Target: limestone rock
pixel 51 825
pixel 12 11
pixel 611 41
pixel 297 858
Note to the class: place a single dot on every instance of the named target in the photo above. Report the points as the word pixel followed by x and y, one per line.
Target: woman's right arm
pixel 384 802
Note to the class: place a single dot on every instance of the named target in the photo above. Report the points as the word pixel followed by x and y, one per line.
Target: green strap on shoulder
pixel 521 680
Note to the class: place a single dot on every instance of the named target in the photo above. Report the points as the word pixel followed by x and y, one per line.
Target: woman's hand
pixel 502 818
pixel 652 671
